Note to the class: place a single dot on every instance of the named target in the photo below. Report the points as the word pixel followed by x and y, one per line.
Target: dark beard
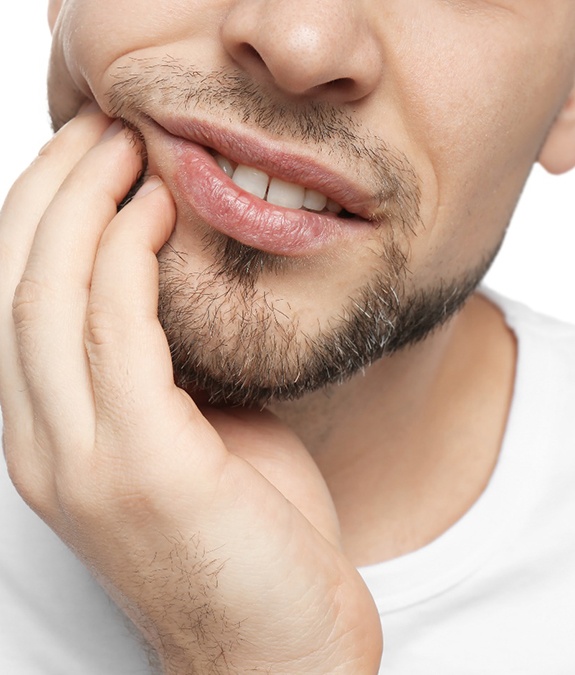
pixel 229 336
pixel 230 341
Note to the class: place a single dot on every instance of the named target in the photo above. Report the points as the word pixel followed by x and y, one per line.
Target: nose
pixel 307 48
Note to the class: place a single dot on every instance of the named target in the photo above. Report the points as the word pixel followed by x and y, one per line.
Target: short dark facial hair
pixel 227 335
pixel 261 358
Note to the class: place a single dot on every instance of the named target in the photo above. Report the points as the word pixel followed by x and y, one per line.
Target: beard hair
pixel 230 340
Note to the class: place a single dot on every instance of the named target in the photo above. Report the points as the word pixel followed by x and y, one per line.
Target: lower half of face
pixel 265 298
pixel 255 309
pixel 313 235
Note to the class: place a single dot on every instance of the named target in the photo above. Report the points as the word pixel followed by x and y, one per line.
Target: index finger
pixel 19 218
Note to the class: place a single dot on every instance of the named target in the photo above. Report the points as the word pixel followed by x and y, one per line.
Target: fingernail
pixel 112 130
pixel 88 107
pixel 151 184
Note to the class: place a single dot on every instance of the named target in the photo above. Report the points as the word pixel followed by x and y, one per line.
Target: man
pixel 253 377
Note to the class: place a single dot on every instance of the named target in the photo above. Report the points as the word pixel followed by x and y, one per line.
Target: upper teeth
pixel 275 190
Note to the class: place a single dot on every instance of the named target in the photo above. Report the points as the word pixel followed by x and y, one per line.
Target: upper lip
pixel 249 148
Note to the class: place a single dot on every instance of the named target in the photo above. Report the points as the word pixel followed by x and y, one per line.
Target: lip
pixel 201 184
pixel 250 149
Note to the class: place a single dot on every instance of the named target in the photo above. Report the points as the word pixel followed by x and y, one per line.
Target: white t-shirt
pixel 494 595
pixel 496 592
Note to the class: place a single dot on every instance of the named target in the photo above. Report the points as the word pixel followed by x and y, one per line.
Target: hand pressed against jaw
pixel 74 187
pixel 21 215
pixel 455 94
pixel 122 464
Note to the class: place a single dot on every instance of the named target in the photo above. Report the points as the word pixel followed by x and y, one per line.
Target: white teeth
pixel 251 180
pixel 285 194
pixel 314 200
pixel 275 191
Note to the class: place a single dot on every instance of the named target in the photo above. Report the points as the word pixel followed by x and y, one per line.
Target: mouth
pixel 276 191
pixel 257 193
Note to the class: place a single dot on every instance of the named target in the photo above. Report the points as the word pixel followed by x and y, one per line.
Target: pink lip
pixel 200 182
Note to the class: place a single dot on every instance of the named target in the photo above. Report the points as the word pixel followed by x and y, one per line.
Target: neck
pixel 407 447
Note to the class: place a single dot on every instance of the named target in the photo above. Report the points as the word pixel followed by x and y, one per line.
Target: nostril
pixel 341 84
pixel 250 53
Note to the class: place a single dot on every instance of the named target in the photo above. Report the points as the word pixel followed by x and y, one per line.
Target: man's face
pixel 419 120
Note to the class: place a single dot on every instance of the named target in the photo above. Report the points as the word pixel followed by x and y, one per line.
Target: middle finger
pixel 50 303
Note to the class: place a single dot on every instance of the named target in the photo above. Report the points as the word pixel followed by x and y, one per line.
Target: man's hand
pixel 213 530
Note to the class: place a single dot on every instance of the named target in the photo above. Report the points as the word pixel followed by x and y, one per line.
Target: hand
pixel 212 530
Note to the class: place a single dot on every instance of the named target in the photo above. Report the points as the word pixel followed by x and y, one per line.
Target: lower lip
pixel 221 204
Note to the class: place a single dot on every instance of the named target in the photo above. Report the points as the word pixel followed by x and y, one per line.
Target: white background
pixel 535 265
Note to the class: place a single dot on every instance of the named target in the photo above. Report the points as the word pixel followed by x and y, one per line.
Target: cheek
pixel 476 110
pixel 470 108
pixel 89 37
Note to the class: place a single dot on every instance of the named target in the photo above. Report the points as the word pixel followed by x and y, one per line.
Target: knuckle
pixel 29 293
pixel 30 480
pixel 100 324
pixel 28 297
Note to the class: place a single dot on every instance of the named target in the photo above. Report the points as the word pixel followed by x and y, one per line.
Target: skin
pixel 124 466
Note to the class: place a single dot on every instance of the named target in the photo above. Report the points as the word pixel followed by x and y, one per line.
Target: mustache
pixel 143 85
